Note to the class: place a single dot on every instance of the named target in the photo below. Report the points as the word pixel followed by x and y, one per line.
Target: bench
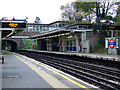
pixel 84 49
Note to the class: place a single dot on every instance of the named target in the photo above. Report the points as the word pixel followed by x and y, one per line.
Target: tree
pixel 37 20
pixel 67 13
pixel 101 10
pixel 117 18
pixel 79 10
pixel 70 14
pixel 85 8
pixel 118 14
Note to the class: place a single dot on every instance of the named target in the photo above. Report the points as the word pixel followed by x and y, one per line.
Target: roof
pixel 47 24
pixel 70 25
pixel 37 24
pixel 58 22
pixel 49 33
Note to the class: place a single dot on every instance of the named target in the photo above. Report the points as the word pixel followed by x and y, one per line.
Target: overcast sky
pixel 47 10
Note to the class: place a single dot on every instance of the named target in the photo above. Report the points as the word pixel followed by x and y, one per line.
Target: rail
pixel 102 76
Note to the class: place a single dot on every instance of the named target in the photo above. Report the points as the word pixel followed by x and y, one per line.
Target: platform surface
pixel 15 74
pixel 22 72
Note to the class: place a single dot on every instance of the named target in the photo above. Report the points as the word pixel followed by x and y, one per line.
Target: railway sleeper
pixel 84 73
pixel 100 84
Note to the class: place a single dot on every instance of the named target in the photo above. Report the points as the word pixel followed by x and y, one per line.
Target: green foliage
pixel 100 49
pixel 86 7
pixel 28 44
pixel 96 27
pixel 68 13
pixel 117 18
pixel 87 10
pixel 119 33
pixel 118 52
pixel 8 47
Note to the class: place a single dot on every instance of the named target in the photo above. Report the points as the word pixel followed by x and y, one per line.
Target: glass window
pixel 40 28
pixel 67 43
pixel 33 28
pixel 80 26
pixel 37 28
pixel 71 44
pixel 74 42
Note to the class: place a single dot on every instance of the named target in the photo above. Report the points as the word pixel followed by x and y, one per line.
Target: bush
pixel 28 44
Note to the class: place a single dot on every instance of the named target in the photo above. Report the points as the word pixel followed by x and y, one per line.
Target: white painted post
pixel 64 43
pixel 85 35
pixel 111 33
pixel 77 43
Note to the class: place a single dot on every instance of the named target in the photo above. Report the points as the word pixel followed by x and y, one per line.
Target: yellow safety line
pixel 56 73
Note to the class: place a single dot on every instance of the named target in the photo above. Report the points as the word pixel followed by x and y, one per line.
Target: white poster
pixel 117 45
pixel 106 43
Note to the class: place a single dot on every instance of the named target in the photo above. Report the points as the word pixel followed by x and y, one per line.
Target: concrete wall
pixel 93 39
pixel 85 46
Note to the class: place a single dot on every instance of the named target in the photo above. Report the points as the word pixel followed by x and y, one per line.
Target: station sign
pixel 13 25
pixel 112 43
pixel 111 26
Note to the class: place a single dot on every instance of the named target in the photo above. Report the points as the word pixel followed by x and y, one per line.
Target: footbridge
pixel 8 28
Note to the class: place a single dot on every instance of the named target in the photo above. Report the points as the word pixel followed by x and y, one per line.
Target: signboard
pixel 111 26
pixel 13 25
pixel 112 43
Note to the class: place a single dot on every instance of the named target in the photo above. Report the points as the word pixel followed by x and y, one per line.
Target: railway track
pixel 101 76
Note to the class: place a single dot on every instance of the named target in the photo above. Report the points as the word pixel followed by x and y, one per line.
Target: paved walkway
pixel 16 74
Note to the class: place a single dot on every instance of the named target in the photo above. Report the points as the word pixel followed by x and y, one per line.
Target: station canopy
pixel 111 26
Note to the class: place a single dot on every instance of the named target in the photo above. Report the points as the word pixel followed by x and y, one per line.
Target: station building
pixel 64 37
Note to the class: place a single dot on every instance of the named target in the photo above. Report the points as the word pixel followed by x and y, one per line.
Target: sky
pixel 47 10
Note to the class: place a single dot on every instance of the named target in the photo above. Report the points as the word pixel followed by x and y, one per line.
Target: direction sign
pixel 13 25
pixel 112 43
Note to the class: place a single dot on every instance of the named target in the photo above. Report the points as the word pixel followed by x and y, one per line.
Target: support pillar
pixel 39 44
pixel 64 44
pixel 77 43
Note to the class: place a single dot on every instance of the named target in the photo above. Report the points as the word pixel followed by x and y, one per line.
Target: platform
pixel 89 55
pixel 19 71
